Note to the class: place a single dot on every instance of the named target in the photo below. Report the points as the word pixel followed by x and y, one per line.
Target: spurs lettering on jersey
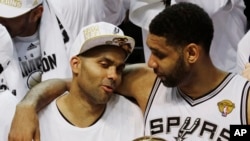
pixel 188 127
pixel 174 116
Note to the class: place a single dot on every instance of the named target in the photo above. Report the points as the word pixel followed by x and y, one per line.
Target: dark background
pixel 134 31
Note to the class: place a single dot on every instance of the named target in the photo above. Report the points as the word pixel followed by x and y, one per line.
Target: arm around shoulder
pixel 46 91
pixel 25 121
pixel 137 82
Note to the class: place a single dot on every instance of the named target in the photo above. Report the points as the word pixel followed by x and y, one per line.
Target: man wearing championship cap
pixel 90 110
pixel 43 31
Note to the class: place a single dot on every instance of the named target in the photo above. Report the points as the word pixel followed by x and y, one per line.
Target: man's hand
pixel 246 72
pixel 25 125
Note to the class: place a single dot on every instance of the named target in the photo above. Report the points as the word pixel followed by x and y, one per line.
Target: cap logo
pixel 91 32
pixel 116 30
pixel 13 3
pixel 122 42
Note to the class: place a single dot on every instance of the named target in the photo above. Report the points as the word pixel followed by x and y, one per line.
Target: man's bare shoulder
pixel 137 82
pixel 138 68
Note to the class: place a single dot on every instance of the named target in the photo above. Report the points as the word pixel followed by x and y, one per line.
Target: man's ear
pixel 36 13
pixel 192 52
pixel 75 64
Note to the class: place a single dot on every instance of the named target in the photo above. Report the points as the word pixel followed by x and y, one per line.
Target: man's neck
pixel 77 113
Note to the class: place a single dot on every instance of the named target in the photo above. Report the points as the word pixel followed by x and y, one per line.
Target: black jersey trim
pixel 151 98
pixel 209 95
pixel 244 98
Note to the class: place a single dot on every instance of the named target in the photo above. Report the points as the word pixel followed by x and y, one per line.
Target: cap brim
pixel 127 43
pixel 12 12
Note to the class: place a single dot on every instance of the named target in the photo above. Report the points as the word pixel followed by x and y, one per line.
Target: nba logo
pixel 116 30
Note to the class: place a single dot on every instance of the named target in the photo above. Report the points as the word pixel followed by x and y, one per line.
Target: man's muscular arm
pixel 137 82
pixel 25 125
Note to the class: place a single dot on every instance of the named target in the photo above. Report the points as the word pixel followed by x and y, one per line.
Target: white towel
pixel 6 48
pixel 143 11
pixel 11 76
pixel 141 14
pixel 55 58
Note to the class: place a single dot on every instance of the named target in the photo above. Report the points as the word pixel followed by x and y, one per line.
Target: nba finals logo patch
pixel 225 107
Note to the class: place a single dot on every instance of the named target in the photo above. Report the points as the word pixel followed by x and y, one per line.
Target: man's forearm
pixel 45 92
pixel 26 114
